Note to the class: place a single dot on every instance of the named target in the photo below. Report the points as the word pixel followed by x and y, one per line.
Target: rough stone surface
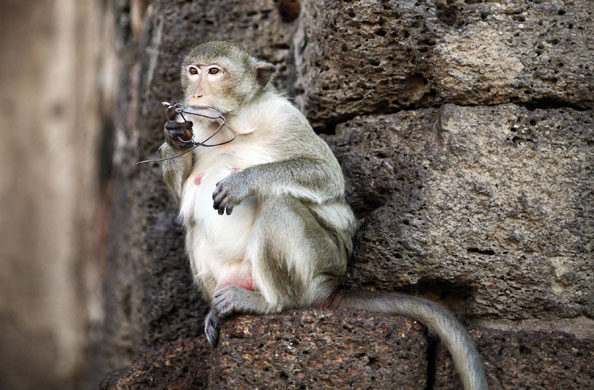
pixel 318 349
pixel 182 364
pixel 526 360
pixel 378 56
pixel 149 294
pixel 311 349
pixel 490 208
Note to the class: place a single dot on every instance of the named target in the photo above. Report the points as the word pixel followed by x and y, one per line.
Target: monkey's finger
pixel 218 198
pixel 225 204
pixel 223 302
pixel 173 125
pixel 219 207
pixel 218 189
pixel 229 209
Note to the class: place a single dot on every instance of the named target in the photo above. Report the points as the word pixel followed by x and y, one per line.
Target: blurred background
pixel 57 88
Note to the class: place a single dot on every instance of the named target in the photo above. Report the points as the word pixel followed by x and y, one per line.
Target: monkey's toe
pixel 212 325
pixel 224 301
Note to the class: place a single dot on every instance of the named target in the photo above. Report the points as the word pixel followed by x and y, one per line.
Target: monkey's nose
pixel 198 96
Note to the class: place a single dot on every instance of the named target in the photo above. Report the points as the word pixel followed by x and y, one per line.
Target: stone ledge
pixel 318 349
pixel 309 349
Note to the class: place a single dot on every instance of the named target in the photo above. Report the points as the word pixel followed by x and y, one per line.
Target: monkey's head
pixel 224 76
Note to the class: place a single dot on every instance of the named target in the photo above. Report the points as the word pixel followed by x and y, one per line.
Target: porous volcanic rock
pixel 376 56
pixel 526 360
pixel 488 208
pixel 181 364
pixel 309 349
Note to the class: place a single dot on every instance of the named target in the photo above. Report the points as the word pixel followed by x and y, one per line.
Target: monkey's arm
pixel 176 170
pixel 306 179
pixel 308 171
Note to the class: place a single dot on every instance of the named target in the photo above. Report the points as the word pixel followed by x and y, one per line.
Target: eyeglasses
pixel 173 110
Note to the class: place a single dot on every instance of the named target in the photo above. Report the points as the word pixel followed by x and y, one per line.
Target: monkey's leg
pixel 295 261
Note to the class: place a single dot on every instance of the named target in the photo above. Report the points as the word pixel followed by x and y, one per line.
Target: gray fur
pixel 175 171
pixel 302 235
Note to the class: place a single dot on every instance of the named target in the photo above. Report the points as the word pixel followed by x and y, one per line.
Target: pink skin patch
pixel 198 179
pixel 234 169
pixel 247 283
pixel 327 303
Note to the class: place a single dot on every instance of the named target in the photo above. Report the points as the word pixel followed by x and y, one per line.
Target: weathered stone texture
pixel 317 349
pixel 526 360
pixel 310 349
pixel 373 56
pixel 182 364
pixel 491 207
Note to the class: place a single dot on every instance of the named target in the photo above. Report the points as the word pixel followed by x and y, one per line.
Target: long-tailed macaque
pixel 267 225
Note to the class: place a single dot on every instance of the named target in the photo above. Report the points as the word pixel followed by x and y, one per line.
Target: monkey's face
pixel 223 76
pixel 209 83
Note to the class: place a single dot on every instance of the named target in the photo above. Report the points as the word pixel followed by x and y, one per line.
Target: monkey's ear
pixel 264 72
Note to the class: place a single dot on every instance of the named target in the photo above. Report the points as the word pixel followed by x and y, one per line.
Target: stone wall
pixel 465 131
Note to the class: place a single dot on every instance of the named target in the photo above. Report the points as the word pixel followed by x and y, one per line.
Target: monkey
pixel 267 225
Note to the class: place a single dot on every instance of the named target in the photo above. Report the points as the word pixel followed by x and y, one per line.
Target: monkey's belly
pixel 216 243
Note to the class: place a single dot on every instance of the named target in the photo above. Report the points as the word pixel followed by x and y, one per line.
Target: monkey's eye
pixel 213 70
pixel 193 70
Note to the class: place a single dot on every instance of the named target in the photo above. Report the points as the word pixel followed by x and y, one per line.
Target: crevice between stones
pixel 432 343
pixel 539 104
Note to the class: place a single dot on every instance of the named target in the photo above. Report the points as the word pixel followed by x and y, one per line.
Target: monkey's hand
pixel 231 191
pixel 178 135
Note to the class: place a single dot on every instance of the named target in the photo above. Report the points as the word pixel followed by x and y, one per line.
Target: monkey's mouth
pixel 204 111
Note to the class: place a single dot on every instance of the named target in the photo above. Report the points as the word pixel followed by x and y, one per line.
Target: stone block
pixel 489 209
pixel 378 56
pixel 317 349
pixel 306 349
pixel 526 360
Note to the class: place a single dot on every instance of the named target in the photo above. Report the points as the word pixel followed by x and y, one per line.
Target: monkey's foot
pixel 234 299
pixel 212 324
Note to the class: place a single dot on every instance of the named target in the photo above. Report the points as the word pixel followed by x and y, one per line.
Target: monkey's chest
pixel 214 240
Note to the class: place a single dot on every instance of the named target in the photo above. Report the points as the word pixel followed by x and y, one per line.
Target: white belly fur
pixel 217 243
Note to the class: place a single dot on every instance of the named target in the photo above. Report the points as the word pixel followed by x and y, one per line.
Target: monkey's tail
pixel 439 321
